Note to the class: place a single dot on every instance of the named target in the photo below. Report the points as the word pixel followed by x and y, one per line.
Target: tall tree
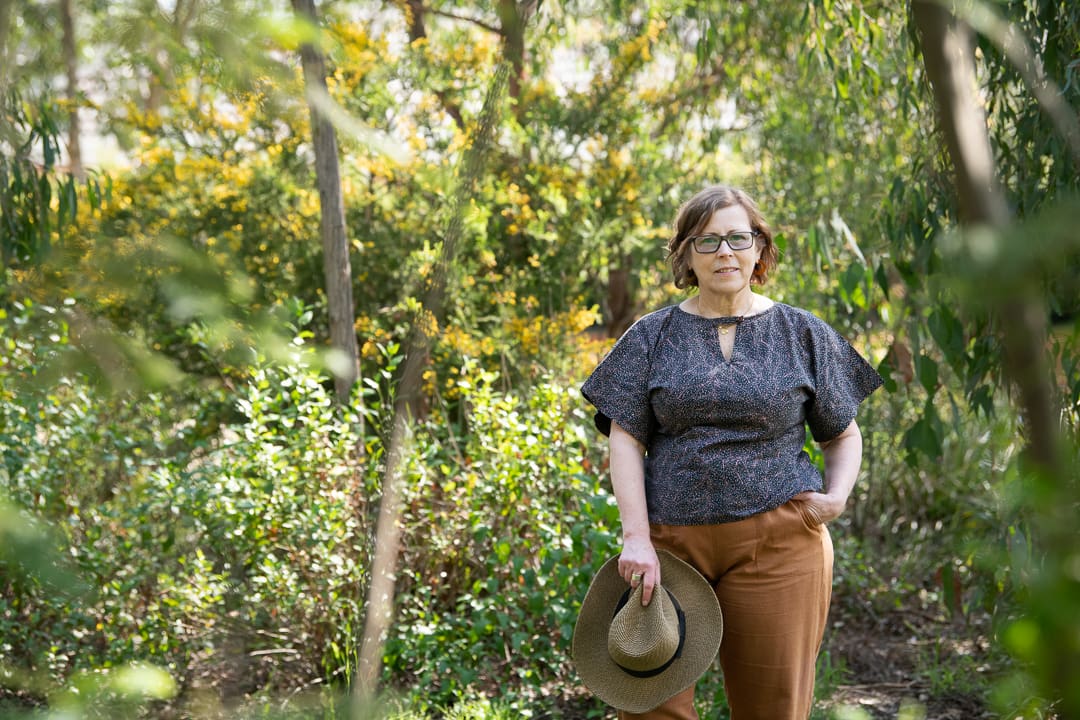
pixel 387 548
pixel 5 27
pixel 71 62
pixel 336 265
pixel 1019 309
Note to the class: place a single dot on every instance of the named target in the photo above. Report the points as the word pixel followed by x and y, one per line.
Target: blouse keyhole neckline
pixel 726 324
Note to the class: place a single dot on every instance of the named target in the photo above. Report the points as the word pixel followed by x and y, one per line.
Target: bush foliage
pixel 237 560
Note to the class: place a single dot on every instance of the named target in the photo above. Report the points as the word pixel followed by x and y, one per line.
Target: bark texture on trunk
pixel 337 269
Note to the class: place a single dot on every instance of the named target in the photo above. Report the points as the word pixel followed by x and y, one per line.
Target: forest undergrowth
pixel 226 548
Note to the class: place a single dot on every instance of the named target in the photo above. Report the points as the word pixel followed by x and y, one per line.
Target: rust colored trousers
pixel 773 576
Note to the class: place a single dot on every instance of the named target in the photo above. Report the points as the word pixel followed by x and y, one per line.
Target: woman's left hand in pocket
pixel 822 507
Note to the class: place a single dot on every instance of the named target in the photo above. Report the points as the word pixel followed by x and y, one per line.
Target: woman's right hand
pixel 638 563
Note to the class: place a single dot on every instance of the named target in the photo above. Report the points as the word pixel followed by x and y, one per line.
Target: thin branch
pixel 461 18
pixel 689 94
pixel 985 20
pixel 414 12
pixel 183 16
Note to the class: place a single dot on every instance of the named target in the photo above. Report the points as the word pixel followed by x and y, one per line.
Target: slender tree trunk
pixel 949 58
pixel 5 28
pixel 380 598
pixel 415 13
pixel 71 60
pixel 156 82
pixel 948 53
pixel 513 17
pixel 620 300
pixel 336 266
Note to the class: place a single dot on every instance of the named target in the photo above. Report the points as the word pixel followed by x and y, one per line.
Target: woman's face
pixel 726 271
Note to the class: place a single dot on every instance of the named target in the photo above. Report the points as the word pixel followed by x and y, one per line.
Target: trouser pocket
pixel 808 518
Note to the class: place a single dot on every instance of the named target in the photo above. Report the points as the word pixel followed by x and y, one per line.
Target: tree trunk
pixel 949 58
pixel 71 60
pixel 336 266
pixel 380 598
pixel 620 301
pixel 948 53
pixel 5 28
pixel 513 19
pixel 415 11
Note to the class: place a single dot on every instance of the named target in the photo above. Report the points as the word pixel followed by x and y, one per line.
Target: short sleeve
pixel 619 386
pixel 842 380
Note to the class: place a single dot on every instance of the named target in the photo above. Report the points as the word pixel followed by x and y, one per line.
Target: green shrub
pixel 506 523
pixel 234 563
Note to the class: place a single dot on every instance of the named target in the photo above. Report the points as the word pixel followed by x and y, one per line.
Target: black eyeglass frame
pixel 754 235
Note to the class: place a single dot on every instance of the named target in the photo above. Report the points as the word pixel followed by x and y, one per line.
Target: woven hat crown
pixel 634 657
pixel 644 638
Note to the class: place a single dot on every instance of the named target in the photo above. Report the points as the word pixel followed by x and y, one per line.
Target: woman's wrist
pixel 636 536
pixel 837 496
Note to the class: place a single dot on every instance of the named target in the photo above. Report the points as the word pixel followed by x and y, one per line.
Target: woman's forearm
pixel 843 456
pixel 627 460
pixel 637 561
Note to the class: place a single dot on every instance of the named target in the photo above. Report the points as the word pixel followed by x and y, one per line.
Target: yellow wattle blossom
pixel 465 344
pixel 429 325
pixel 635 49
pixel 417 142
pixel 656 27
pixel 308 203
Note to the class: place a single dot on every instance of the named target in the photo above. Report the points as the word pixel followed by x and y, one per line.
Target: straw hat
pixel 633 657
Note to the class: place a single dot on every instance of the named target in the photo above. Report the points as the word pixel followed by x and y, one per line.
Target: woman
pixel 706 405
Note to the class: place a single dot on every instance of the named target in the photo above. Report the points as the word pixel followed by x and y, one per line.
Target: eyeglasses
pixel 736 241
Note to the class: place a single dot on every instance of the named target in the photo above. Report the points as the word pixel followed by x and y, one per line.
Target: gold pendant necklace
pixel 726 327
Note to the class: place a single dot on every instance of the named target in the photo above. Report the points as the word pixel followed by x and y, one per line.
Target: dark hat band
pixel 682 637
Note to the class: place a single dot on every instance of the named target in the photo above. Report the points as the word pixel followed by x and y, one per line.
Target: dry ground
pixel 904 657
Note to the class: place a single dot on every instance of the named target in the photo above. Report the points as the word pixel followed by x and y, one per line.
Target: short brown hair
pixel 695 214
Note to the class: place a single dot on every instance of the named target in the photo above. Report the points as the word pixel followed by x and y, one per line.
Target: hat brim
pixel 609 682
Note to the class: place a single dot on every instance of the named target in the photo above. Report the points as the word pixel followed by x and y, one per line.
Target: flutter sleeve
pixel 619 386
pixel 842 380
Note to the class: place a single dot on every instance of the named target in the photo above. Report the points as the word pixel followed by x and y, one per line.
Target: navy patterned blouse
pixel 724 437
